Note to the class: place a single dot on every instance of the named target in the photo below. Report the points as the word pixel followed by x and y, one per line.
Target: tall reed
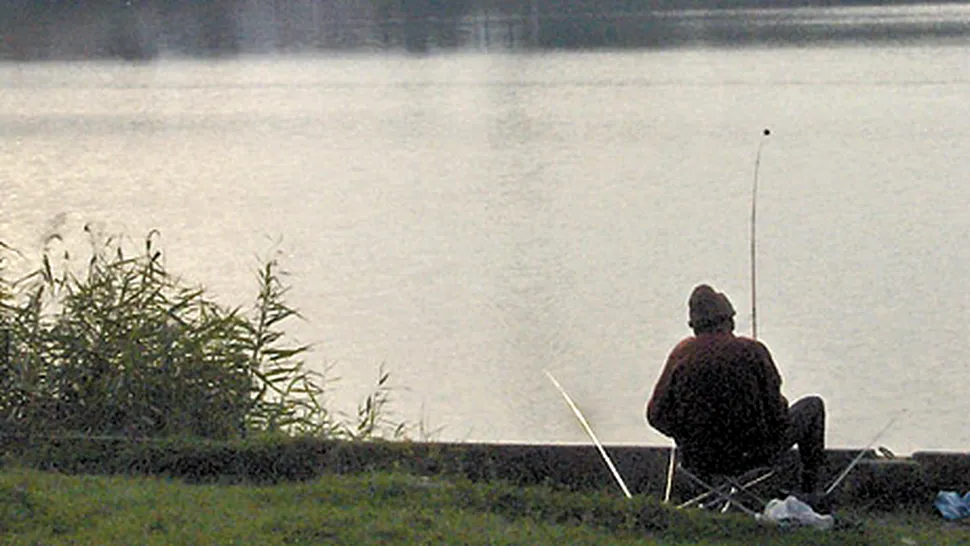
pixel 126 348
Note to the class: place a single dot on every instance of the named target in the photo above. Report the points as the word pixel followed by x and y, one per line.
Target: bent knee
pixel 815 400
pixel 811 404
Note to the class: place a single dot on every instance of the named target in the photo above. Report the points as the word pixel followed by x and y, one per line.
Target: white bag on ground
pixel 792 512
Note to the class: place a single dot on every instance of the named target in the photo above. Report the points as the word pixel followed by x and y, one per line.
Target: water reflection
pixel 150 29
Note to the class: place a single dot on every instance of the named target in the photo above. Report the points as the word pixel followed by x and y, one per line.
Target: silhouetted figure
pixel 719 397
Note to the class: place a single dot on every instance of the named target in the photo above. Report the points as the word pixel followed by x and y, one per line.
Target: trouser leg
pixel 807 431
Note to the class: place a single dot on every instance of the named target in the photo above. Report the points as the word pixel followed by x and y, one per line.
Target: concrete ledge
pixel 945 470
pixel 884 483
pixel 887 484
pixel 874 483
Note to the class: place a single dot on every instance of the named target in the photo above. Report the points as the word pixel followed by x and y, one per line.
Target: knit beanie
pixel 708 307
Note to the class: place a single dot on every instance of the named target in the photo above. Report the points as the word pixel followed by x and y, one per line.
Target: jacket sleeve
pixel 660 411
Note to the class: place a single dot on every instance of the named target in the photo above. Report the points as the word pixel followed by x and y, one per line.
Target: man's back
pixel 722 403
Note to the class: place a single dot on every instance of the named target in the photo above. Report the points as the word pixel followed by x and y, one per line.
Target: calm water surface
pixel 469 220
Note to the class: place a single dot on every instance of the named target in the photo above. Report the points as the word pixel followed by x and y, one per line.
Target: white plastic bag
pixel 792 512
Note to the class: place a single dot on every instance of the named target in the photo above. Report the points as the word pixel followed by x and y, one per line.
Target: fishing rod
pixel 754 313
pixel 754 281
pixel 671 463
pixel 862 453
pixel 591 434
pixel 754 211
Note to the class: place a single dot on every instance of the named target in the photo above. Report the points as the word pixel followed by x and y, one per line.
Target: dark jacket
pixel 719 397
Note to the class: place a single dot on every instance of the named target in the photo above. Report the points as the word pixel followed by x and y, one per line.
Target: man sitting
pixel 719 397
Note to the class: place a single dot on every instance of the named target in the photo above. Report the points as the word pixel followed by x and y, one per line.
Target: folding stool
pixel 723 490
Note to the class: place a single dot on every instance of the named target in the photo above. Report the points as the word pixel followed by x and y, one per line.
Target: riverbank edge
pixel 879 482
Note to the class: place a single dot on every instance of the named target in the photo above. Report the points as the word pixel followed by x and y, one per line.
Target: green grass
pixel 49 509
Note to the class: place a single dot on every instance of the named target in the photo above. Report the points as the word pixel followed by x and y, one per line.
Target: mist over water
pixel 470 219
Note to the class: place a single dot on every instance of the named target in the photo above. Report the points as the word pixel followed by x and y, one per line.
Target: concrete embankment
pixel 877 481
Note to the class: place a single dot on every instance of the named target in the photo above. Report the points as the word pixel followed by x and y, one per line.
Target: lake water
pixel 470 219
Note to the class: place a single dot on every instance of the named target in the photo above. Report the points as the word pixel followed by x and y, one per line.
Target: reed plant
pixel 124 348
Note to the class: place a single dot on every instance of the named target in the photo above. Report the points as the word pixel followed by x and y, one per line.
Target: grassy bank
pixel 385 508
